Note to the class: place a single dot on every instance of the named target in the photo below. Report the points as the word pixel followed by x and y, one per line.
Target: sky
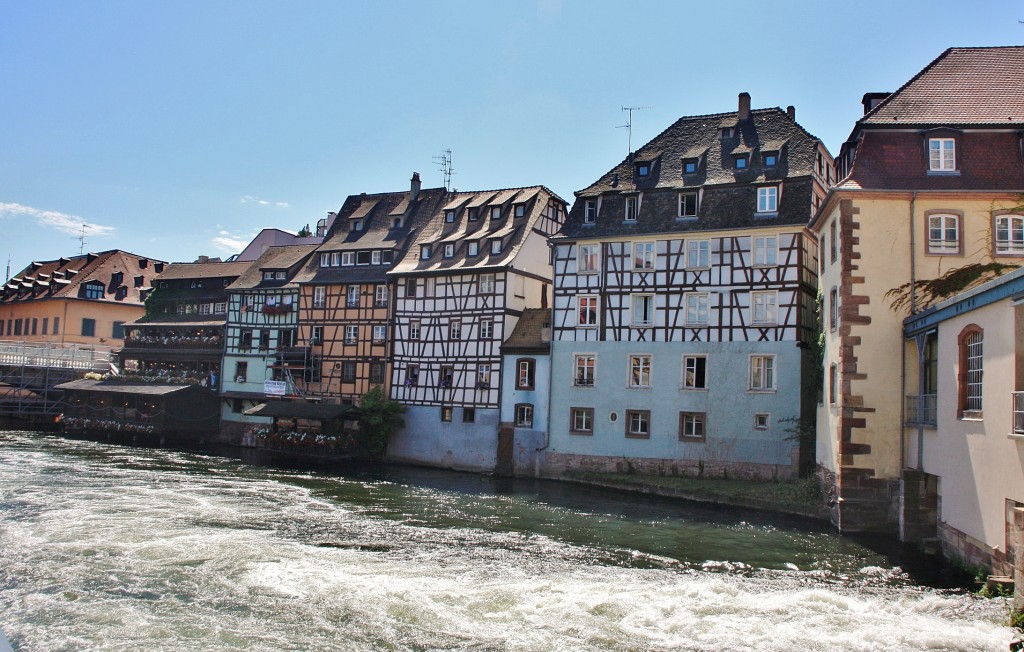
pixel 179 129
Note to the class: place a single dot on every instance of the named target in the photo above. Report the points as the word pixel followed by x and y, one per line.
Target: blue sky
pixel 176 129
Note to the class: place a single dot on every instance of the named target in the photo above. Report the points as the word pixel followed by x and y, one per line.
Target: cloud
pixel 55 220
pixel 251 199
pixel 230 243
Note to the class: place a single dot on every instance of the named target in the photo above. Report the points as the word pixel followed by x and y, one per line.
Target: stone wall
pixel 561 464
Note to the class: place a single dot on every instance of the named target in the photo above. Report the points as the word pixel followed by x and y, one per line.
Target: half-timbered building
pixel 684 301
pixel 345 302
pixel 260 334
pixel 460 290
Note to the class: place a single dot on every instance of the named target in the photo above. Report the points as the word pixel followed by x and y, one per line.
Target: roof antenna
pixel 444 163
pixel 629 126
pixel 81 240
pixel 8 268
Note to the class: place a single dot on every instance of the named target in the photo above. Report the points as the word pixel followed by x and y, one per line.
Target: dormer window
pixel 325 260
pixel 768 199
pixel 771 159
pixel 590 211
pixel 93 290
pixel 267 276
pixel 357 225
pixel 643 169
pixel 942 154
pixel 740 161
pixel 496 245
pixel 520 210
pixel 630 214
pixel 196 285
pixel 449 216
pixel 336 259
pixel 375 257
pixel 690 166
pixel 496 212
pixel 727 132
pixel 397 224
pixel 473 248
pixel 449 250
pixel 688 204
pixel 474 214
pixel 348 258
pixel 115 279
pixel 425 252
pixel 362 258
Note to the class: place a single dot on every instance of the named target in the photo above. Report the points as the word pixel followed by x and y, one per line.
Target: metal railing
pixel 922 410
pixel 44 354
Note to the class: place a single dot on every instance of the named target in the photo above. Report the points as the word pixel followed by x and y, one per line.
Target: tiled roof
pixel 285 258
pixel 177 271
pixel 529 335
pixel 962 86
pixel 63 277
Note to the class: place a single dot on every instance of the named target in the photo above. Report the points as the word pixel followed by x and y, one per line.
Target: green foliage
pixel 380 417
pixel 1017 620
pixel 930 291
pixel 304 232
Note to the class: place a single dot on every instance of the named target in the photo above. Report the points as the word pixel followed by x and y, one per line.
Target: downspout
pixel 903 339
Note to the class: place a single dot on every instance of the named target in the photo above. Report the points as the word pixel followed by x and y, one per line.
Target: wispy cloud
pixel 230 243
pixel 55 220
pixel 250 199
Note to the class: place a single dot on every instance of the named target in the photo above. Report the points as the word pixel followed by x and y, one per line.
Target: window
pixel 581 421
pixel 495 212
pixel 486 329
pixel 351 334
pixel 588 260
pixel 643 255
pixel 943 234
pixel 643 169
pixel 584 370
pixel 264 340
pixel 286 338
pixel 377 373
pixel 589 211
pixel 380 296
pixel 520 210
pixel 971 372
pixel 280 276
pixel 455 330
pixel 524 373
pixel 414 329
pixel 689 166
pixel 763 307
pixel 687 204
pixel 468 415
pixel 428 286
pixel 833 383
pixel 245 340
pixel 485 284
pixel 473 214
pixel 698 254
pixel 630 215
pixel 17 327
pixel 942 154
pixel 348 371
pixel 375 257
pixel 357 225
pixel 56 326
pixel 483 376
pixel 761 420
pixel 241 372
pixel 638 424
pixel 692 426
pixel 93 291
pixel 496 246
pixel 524 415
pixel 449 216
pixel 424 252
pixel 770 159
pixel 196 284
pixel 762 373
pixel 207 308
pixel 380 334
pixel 221 307
pixel 316 335
pixel 412 375
pixel 642 309
pixel 446 413
pixel 319 296
pixel 410 288
pixel 1010 234
pixel 35 325
pixel 447 376
pixel 268 276
pixel 639 371
pixel 767 199
pixel 46 322
pixel 833 308
pixel 695 372
pixel 727 132
pixel 473 248
pixel 586 311
pixel 88 327
pixel 833 239
pixel 766 250
pixel 117 332
pixel 740 161
pixel 696 308
pixel 348 258
pixel 821 255
pixel 352 296
pixel 449 250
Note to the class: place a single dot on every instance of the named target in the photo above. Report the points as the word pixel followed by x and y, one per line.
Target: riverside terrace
pixel 173 337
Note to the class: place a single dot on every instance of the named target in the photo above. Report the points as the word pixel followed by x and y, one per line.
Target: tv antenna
pixel 629 126
pixel 81 240
pixel 444 163
pixel 8 268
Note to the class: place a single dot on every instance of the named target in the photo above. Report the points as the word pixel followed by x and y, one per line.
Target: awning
pixel 146 389
pixel 298 410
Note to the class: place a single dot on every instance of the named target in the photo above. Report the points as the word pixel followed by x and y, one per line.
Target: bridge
pixel 30 370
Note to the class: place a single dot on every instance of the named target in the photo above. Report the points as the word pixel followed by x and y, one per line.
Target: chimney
pixel 791 112
pixel 414 186
pixel 744 108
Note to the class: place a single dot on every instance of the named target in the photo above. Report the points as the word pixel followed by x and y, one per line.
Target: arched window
pixel 970 373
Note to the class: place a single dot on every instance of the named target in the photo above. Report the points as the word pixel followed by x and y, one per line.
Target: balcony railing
pixel 922 410
pixel 1018 413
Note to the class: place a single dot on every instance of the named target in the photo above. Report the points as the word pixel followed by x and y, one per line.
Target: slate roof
pixel 62 278
pixel 962 86
pixel 177 271
pixel 729 195
pixel 288 258
pixel 528 336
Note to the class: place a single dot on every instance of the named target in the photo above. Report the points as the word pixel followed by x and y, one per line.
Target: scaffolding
pixel 29 372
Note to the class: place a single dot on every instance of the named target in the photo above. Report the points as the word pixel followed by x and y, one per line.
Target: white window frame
pixel 1010 234
pixel 682 204
pixel 590 211
pixel 485 284
pixel 495 213
pixel 524 415
pixel 639 371
pixel 584 367
pixel 581 420
pixel 380 334
pixel 698 249
pixel 351 333
pixel 697 308
pixel 593 312
pixel 414 329
pixel 348 258
pixel 588 258
pixel 449 250
pixel 767 199
pixel 449 216
pixel 325 260
pixel 764 307
pixel 336 258
pixel 496 245
pixel 943 225
pixel 455 329
pixel 766 250
pixel 319 296
pixel 352 296
pixel 425 252
pixel 486 329
pixel 483 376
pixel 381 295
pixel 641 309
pixel 763 373
pixel 375 256
pixel 473 248
pixel 942 154
pixel 629 214
pixel 693 425
pixel 690 369
pixel 643 256
pixel 638 424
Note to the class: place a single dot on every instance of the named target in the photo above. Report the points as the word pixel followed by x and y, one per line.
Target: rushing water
pixel 111 548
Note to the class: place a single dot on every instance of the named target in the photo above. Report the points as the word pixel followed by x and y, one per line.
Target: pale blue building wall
pixel 427 440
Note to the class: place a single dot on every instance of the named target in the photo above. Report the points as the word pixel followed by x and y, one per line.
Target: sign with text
pixel 275 387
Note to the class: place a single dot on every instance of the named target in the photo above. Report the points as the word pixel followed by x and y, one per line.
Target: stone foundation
pixel 955 544
pixel 554 465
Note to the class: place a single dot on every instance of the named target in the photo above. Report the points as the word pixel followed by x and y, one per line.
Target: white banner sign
pixel 274 387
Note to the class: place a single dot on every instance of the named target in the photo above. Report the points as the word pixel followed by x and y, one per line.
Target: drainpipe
pixel 913 256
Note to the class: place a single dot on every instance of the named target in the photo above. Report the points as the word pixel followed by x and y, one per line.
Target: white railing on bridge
pixel 61 356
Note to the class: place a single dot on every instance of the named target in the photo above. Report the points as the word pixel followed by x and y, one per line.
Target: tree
pixel 304 232
pixel 379 418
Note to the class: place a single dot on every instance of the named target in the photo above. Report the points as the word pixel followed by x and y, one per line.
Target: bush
pixel 379 418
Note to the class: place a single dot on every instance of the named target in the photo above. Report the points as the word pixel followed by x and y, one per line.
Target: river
pixel 105 547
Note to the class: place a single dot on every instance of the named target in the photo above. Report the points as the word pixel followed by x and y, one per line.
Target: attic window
pixel 449 250
pixel 727 132
pixel 643 169
pixel 740 161
pixel 496 212
pixel 425 252
pixel 689 166
pixel 473 248
pixel 474 214
pixel 771 159
pixel 357 225
pixel 520 210
pixel 199 284
pixel 449 216
pixel 589 211
pixel 397 224
pixel 363 258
